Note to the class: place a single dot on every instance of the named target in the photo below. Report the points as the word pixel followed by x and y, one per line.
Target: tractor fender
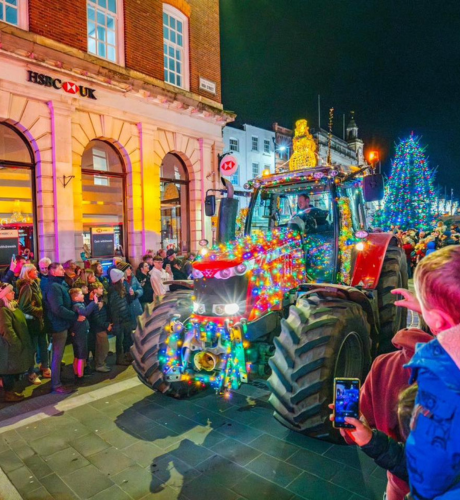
pixel 369 262
pixel 364 298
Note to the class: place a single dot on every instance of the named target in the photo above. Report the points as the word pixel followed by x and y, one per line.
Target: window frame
pixel 254 139
pixel 267 150
pixel 258 169
pixel 237 143
pixel 119 32
pixel 179 16
pixel 23 15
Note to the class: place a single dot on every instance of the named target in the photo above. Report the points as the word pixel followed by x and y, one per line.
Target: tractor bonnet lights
pixel 359 246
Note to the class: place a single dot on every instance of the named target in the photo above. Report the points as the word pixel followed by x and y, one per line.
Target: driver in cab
pixel 303 221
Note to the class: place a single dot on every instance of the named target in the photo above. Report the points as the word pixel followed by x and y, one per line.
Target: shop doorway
pixel 175 206
pixel 17 196
pixel 103 201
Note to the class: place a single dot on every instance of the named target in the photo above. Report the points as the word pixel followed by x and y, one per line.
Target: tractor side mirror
pixel 373 187
pixel 210 205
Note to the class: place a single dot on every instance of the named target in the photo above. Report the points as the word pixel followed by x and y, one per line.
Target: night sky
pixel 396 63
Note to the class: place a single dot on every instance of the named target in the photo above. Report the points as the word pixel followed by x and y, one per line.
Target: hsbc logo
pixel 56 83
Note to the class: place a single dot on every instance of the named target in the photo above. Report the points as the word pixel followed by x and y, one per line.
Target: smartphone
pixel 346 401
pixel 13 257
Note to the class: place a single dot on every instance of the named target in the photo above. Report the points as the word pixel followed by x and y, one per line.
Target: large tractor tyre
pixel 321 339
pixel 149 340
pixel 392 318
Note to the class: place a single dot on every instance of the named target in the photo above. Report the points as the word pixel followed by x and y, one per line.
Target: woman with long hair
pixel 16 352
pixel 30 302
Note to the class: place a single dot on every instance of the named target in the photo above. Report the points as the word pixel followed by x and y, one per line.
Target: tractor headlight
pixel 224 274
pixel 199 308
pixel 359 246
pixel 218 309
pixel 231 309
pixel 241 269
pixel 197 274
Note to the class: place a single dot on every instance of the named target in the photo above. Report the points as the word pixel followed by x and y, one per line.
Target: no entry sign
pixel 228 166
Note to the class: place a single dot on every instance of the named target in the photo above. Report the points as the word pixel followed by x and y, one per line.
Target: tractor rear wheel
pixel 321 339
pixel 392 318
pixel 149 340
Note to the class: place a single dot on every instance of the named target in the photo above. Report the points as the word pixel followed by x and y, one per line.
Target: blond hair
pixel 437 279
pixel 25 271
pixel 74 291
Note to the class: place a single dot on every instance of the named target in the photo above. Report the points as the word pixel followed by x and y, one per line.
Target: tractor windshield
pixel 307 208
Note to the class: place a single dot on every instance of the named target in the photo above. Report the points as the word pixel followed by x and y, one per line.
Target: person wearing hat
pixel 170 258
pixel 16 351
pixel 119 305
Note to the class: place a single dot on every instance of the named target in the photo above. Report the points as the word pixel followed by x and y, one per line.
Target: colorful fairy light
pixel 410 192
pixel 347 240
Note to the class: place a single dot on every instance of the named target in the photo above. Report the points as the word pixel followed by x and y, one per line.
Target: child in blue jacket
pixel 79 330
pixel 433 445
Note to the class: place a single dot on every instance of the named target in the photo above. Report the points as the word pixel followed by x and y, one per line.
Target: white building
pixel 254 149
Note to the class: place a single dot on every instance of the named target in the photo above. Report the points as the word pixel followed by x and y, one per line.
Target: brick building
pixel 110 124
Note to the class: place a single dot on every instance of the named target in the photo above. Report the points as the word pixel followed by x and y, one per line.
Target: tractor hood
pixel 252 251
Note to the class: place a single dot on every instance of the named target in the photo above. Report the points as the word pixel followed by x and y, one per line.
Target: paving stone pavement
pixel 137 444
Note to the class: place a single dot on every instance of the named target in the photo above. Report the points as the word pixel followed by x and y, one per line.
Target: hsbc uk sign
pixel 56 83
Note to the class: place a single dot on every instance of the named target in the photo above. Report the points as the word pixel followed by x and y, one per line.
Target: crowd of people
pixel 42 309
pixel 418 243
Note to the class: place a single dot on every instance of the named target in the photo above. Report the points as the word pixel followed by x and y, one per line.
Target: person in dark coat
pixel 120 312
pixel 61 317
pixel 171 255
pixel 99 327
pixel 12 275
pixel 31 304
pixel 131 282
pixel 176 268
pixel 16 352
pixel 143 277
pixel 43 265
pixel 79 330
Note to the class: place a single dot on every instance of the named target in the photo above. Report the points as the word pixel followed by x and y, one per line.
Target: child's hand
pixel 362 434
pixel 131 291
pixel 410 301
pixel 110 327
pixel 81 318
pixel 95 298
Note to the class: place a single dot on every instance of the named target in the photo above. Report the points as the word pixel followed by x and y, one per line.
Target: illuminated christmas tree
pixel 410 194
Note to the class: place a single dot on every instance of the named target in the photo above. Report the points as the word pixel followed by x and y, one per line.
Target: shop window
pixel 175 47
pixel 103 199
pixel 17 207
pixel 105 29
pixel 175 221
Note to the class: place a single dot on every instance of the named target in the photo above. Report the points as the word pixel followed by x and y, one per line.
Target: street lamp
pixel 374 158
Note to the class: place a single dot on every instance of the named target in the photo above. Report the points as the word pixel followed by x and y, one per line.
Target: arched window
pixel 103 200
pixel 175 219
pixel 17 205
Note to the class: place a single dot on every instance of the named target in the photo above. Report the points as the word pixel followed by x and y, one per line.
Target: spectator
pixel 177 272
pixel 408 248
pixel 149 260
pixel 70 272
pixel 79 330
pixel 187 266
pixel 86 277
pixel 132 282
pixel 120 312
pixel 12 275
pixel 61 317
pixel 143 277
pixel 43 265
pixel 162 253
pixel 433 446
pixel 100 326
pixel 99 273
pixel 115 261
pixel 157 278
pixel 170 257
pixel 31 304
pixel 16 352
pixel 441 227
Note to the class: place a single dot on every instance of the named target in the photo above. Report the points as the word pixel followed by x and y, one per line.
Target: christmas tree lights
pixel 410 194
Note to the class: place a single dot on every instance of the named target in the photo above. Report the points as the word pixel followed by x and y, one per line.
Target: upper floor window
pixel 266 146
pixel 255 143
pixel 15 12
pixel 175 47
pixel 235 178
pixel 234 145
pixel 105 30
pixel 255 170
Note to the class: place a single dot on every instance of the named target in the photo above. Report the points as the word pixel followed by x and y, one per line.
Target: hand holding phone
pixel 346 401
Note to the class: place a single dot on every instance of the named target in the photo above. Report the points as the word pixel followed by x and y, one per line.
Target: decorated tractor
pixel 301 296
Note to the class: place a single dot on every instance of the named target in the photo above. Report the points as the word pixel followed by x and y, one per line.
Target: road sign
pixel 228 165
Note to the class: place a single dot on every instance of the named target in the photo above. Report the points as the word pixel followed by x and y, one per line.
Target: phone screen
pixel 346 401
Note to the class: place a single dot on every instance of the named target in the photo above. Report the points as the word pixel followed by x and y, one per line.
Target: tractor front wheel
pixel 321 339
pixel 149 341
